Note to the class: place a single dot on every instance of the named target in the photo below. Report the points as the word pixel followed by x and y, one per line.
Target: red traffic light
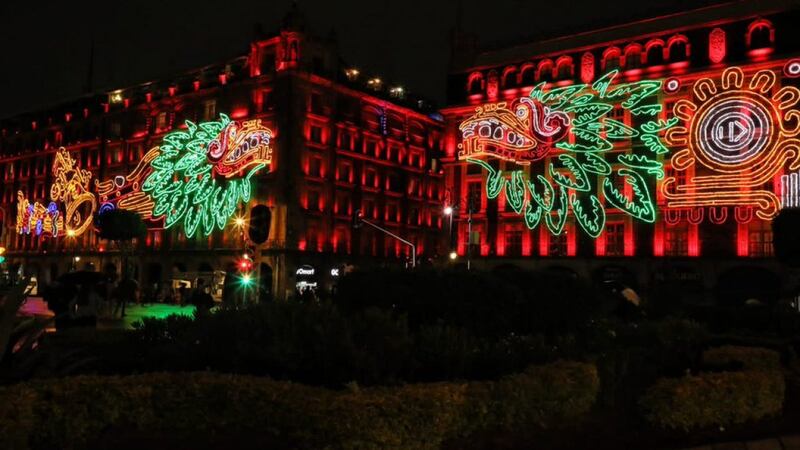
pixel 245 265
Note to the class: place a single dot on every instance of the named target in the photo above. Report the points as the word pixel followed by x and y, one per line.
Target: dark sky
pixel 44 45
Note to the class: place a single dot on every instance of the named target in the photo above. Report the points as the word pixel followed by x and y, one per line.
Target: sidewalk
pixel 780 443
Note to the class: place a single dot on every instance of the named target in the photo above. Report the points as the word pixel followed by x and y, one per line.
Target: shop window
pixel 615 239
pixel 513 241
pixel 676 240
pixel 760 239
pixel 557 246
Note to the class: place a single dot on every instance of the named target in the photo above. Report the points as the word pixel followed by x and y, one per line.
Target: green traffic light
pixel 246 279
pixel 2 259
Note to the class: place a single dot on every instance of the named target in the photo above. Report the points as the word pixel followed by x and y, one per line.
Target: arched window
pixel 611 58
pixel 678 48
pixel 545 70
pixel 633 56
pixel 760 34
pixel 527 75
pixel 564 68
pixel 509 77
pixel 655 52
pixel 475 83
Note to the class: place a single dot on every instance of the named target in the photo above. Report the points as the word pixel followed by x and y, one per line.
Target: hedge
pixel 748 357
pixel 714 399
pixel 69 412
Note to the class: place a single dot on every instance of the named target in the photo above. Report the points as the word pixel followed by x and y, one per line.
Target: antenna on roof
pixel 90 71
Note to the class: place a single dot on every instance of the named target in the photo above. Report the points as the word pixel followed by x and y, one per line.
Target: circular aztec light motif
pixel 737 135
pixel 734 130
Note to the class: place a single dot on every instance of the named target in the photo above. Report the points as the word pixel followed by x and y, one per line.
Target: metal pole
pixel 450 237
pixel 469 236
pixel 413 247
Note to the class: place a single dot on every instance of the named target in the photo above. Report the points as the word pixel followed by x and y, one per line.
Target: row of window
pixel 755 240
pixel 373 147
pixel 760 35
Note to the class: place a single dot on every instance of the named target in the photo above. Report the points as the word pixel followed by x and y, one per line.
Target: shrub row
pixel 714 399
pixel 69 412
pixel 747 357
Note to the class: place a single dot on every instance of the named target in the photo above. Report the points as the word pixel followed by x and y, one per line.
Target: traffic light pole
pixel 408 243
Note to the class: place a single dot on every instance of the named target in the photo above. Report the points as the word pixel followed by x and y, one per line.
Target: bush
pixel 747 357
pixel 714 399
pixel 68 413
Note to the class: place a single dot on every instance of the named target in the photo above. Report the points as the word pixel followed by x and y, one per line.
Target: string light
pixel 203 173
pixel 573 120
pixel 196 177
pixel 742 134
pixel 790 190
pixel 70 188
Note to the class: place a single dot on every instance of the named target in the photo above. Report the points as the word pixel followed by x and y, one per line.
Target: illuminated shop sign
pixel 575 130
pixel 304 271
pixel 196 178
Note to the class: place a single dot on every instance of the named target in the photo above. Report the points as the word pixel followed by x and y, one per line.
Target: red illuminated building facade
pixel 341 141
pixel 728 76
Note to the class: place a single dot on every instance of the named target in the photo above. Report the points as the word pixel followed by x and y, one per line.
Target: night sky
pixel 44 45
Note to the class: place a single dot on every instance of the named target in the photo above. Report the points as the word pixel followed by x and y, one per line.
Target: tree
pixel 785 236
pixel 121 226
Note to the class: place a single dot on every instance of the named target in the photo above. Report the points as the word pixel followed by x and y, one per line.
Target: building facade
pixel 334 140
pixel 636 148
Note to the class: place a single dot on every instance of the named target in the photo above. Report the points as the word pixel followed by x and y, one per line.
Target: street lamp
pixel 453 255
pixel 239 221
pixel 449 211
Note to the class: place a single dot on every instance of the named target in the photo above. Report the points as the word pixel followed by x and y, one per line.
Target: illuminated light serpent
pixel 737 137
pixel 571 130
pixel 197 177
pixel 202 174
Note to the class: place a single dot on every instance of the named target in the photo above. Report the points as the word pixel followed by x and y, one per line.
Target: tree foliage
pixel 120 225
pixel 786 239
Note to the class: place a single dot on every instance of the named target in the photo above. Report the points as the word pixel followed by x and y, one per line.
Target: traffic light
pixel 358 216
pixel 245 264
pixel 260 218
pixel 2 255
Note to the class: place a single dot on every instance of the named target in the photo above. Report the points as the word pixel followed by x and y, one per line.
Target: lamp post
pixel 449 211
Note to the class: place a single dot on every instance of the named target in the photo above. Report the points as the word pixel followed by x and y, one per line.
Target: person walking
pixel 127 289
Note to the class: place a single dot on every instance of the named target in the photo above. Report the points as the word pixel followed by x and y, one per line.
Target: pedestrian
pixel 201 299
pixel 127 290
